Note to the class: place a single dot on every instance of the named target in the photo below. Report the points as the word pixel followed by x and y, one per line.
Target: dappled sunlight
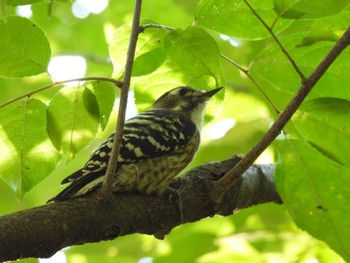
pixel 230 248
pixel 24 11
pixel 43 151
pixel 233 42
pixel 131 109
pixel 59 257
pixel 163 248
pixel 78 258
pixel 109 30
pixel 145 260
pixel 266 157
pixel 8 151
pixel 82 8
pixel 67 67
pixel 217 129
pixel 112 251
pixel 75 135
pixel 259 51
pixel 74 140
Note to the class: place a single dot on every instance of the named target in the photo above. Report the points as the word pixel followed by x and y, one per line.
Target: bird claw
pixel 175 193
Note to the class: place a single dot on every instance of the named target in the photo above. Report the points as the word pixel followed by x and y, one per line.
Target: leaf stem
pixel 272 133
pixel 117 139
pixel 246 72
pixel 145 26
pixel 296 68
pixel 58 83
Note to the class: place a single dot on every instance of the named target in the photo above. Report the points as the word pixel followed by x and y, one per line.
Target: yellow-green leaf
pixel 27 155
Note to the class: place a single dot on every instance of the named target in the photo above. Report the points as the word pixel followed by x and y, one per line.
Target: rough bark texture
pixel 42 231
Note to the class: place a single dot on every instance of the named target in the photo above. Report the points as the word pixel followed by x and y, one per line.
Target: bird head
pixel 187 101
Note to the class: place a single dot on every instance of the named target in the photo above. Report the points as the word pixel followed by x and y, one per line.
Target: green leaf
pixel 273 67
pixel 24 49
pixel 193 60
pixel 148 88
pixel 118 49
pixel 325 123
pixel 315 191
pixel 70 125
pixel 90 103
pixel 194 51
pixel 27 155
pixel 284 8
pixel 22 2
pixel 235 19
pixel 149 53
pixel 328 28
pixel 308 9
pixel 104 96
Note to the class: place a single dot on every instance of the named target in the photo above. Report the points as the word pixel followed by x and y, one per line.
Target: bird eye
pixel 183 92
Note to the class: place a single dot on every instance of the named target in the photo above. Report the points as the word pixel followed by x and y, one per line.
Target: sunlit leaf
pixel 149 54
pixel 273 67
pixel 104 95
pixel 315 191
pixel 194 51
pixel 70 124
pixel 24 49
pixel 27 155
pixel 308 9
pixel 235 19
pixel 263 233
pixel 168 76
pixel 190 62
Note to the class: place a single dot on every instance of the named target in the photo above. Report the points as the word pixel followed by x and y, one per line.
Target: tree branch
pixel 117 139
pixel 89 219
pixel 58 83
pixel 288 112
pixel 284 51
pixel 246 72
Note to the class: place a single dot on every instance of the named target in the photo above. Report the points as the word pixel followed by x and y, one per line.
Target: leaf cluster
pixel 185 47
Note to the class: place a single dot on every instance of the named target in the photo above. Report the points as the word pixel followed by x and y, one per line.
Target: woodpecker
pixel 157 145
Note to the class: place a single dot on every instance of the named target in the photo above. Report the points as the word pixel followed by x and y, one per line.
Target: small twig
pixel 246 72
pixel 296 68
pixel 58 83
pixel 112 163
pixel 285 116
pixel 145 26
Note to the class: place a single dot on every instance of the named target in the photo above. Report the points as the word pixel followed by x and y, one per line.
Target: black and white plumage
pixel 156 145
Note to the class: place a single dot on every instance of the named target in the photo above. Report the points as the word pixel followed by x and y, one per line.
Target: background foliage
pixel 46 136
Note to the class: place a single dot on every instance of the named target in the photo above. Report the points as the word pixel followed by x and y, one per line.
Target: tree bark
pixel 42 231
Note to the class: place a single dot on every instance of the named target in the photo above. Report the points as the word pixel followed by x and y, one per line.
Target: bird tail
pixel 74 189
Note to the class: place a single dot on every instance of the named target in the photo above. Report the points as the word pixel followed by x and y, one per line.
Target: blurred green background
pixel 264 233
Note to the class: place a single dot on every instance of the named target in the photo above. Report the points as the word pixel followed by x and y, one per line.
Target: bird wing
pixel 150 134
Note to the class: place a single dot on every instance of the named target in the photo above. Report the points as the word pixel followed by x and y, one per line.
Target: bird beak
pixel 208 94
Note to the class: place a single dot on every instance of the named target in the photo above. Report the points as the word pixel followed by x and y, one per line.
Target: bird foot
pixel 174 193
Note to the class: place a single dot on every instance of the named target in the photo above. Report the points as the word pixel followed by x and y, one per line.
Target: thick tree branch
pixel 42 231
